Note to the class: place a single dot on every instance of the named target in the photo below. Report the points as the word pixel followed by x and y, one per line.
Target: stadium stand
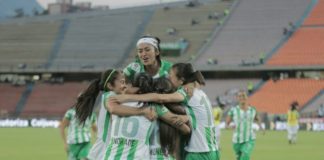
pixel 81 40
pixel 98 41
pixel 305 47
pixel 255 26
pixel 226 89
pixel 313 105
pixel 51 100
pixel 23 99
pixel 276 96
pixel 9 98
pixel 103 39
pixel 316 17
pixel 180 18
pixel 26 45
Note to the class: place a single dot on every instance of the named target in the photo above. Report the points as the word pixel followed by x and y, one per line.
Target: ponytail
pixel 199 78
pixel 186 73
pixel 144 82
pixel 85 102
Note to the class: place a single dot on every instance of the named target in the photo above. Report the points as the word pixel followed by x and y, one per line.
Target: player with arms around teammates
pixel 111 82
pixel 202 144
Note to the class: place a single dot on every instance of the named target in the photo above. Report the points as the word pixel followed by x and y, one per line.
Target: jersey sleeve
pixel 184 94
pixel 165 68
pixel 131 70
pixel 254 110
pixel 68 115
pixel 160 110
pixel 93 118
pixel 105 97
pixel 231 112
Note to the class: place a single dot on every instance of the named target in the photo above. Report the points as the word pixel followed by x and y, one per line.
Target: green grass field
pixel 41 144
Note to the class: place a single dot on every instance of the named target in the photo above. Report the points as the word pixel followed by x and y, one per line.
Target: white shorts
pixel 218 131
pixel 292 129
pixel 98 150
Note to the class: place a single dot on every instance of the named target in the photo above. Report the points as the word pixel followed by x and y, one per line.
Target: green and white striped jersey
pixel 243 121
pixel 199 109
pixel 104 129
pixel 138 67
pixel 104 126
pixel 129 137
pixel 155 145
pixel 79 133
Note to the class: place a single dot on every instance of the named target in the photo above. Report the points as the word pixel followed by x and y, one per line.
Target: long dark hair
pixel 168 134
pixel 163 85
pixel 85 102
pixel 293 105
pixel 186 73
pixel 144 82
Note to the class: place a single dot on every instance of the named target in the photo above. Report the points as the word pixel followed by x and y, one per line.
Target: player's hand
pixel 180 120
pixel 184 118
pixel 177 121
pixel 189 88
pixel 149 113
pixel 113 100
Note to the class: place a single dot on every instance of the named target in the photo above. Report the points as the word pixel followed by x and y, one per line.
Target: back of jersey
pixel 79 133
pixel 129 137
pixel 203 137
pixel 292 118
pixel 103 123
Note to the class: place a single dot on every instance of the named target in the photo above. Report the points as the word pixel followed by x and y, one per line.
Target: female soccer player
pixel 202 144
pixel 112 82
pixel 218 114
pixel 292 123
pixel 148 59
pixel 165 139
pixel 243 117
pixel 130 135
pixel 77 144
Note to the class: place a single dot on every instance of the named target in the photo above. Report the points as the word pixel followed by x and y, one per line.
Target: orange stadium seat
pixel 52 99
pixel 276 97
pixel 9 97
pixel 316 17
pixel 305 47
